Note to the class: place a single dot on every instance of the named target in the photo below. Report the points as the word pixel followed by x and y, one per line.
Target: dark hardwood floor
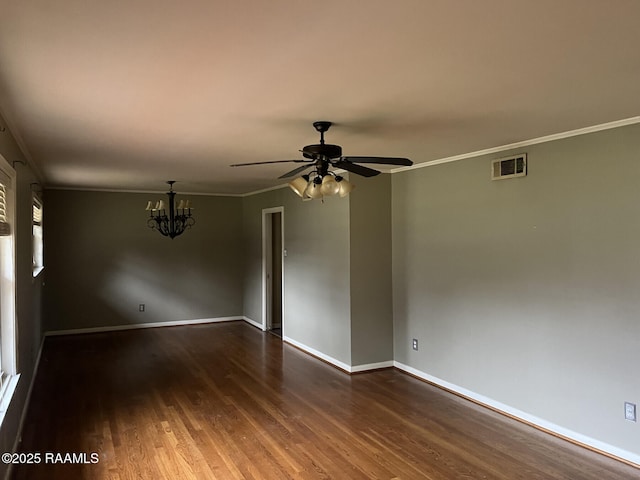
pixel 228 401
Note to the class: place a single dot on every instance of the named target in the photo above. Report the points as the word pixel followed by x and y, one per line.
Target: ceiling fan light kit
pixel 170 219
pixel 321 156
pixel 321 186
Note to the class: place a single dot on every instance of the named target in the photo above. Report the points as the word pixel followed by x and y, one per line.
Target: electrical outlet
pixel 141 307
pixel 630 411
pixel 415 344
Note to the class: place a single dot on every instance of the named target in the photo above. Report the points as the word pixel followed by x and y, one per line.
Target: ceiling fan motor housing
pixel 322 150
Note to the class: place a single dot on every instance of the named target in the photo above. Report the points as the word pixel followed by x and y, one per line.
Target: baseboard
pixel 367 367
pixel 134 326
pixel 539 423
pixel 318 354
pixel 337 363
pixel 253 323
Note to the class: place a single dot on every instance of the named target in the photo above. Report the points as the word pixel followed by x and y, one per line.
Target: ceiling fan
pixel 322 155
pixel 322 181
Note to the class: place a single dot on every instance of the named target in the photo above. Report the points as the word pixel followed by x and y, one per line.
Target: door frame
pixel 266 260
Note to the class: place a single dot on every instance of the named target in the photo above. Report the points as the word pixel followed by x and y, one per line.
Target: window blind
pixel 37 214
pixel 38 258
pixel 5 228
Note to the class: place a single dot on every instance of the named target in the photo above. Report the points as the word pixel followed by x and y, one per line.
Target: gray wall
pixel 252 259
pixel 103 261
pixel 370 246
pixel 316 269
pixel 526 290
pixel 337 271
pixel 28 293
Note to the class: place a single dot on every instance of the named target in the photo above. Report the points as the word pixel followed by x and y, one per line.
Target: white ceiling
pixel 126 94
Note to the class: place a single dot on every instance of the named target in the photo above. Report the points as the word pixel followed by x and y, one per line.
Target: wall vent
pixel 509 167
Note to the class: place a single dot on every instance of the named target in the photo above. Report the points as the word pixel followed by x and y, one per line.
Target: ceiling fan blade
pixel 264 163
pixel 383 160
pixel 357 169
pixel 297 170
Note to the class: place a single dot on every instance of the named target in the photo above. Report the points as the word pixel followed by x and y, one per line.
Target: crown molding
pixel 524 143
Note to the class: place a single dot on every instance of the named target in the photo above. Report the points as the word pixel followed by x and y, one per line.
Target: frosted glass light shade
pixel 313 190
pixel 149 205
pixel 345 187
pixel 299 185
pixel 329 185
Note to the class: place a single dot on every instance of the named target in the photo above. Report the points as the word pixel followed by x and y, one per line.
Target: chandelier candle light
pixel 171 221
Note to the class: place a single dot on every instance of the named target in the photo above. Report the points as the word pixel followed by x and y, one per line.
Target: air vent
pixel 510 167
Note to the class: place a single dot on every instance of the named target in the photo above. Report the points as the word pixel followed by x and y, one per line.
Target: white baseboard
pixel 525 417
pixel 318 354
pixel 371 366
pixel 253 322
pixel 337 363
pixel 133 326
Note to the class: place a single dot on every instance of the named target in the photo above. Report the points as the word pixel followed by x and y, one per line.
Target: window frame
pixel 8 328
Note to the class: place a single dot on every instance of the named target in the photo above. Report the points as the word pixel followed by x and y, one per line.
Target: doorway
pixel 272 269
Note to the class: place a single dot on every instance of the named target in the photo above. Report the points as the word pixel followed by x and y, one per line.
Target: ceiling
pixel 127 94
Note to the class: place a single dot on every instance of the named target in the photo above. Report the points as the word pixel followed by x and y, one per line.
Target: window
pixel 8 374
pixel 36 230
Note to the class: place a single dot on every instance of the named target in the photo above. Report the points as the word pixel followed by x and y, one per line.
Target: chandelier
pixel 170 220
pixel 321 183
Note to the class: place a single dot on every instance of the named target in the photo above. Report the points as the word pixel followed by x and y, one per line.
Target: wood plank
pixel 227 401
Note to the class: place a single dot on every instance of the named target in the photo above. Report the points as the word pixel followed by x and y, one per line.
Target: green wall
pixel 103 261
pixel 337 271
pixel 370 245
pixel 316 270
pixel 525 291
